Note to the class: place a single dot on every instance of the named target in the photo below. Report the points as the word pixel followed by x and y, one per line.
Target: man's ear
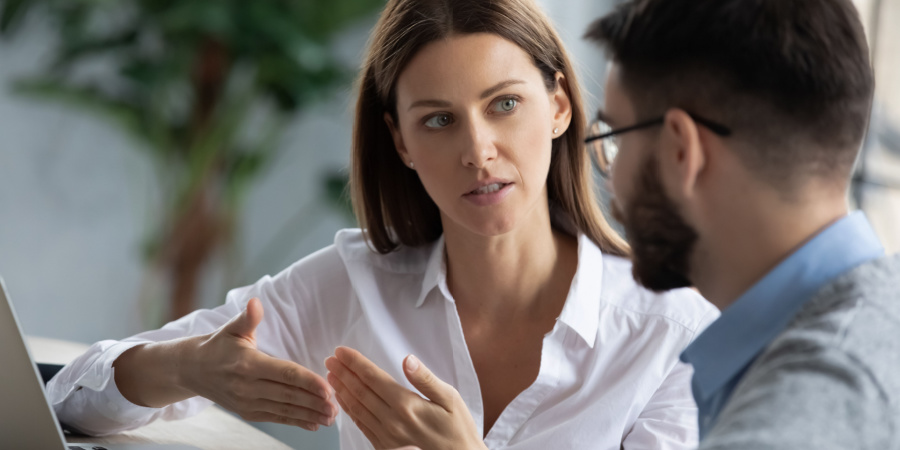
pixel 562 103
pixel 398 139
pixel 682 154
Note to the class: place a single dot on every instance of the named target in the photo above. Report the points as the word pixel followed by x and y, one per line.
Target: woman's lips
pixel 490 194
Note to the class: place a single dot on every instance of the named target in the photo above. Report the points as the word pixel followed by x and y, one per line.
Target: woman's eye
pixel 439 121
pixel 506 105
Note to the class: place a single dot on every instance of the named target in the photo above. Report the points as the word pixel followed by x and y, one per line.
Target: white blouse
pixel 609 378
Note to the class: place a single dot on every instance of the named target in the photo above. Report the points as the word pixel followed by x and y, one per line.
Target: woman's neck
pixel 513 275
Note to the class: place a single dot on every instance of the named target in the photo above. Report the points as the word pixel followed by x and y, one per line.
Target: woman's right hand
pixel 227 368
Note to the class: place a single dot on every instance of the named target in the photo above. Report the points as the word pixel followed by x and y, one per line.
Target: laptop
pixel 27 420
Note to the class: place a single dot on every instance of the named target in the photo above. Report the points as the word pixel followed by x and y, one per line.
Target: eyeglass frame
pixel 715 127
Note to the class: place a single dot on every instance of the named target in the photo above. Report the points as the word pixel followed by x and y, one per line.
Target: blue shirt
pixel 724 351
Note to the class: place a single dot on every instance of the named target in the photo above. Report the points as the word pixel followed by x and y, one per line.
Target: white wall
pixel 73 201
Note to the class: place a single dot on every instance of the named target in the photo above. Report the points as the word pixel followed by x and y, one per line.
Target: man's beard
pixel 661 241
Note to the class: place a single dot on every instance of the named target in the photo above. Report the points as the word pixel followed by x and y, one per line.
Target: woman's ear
pixel 398 139
pixel 561 105
pixel 682 154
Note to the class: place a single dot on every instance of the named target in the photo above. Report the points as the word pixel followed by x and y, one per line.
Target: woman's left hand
pixel 392 416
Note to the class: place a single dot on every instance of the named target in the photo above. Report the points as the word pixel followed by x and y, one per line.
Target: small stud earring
pixel 555 131
pixel 411 165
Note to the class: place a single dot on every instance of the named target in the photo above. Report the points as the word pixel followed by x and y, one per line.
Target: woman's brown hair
pixel 390 202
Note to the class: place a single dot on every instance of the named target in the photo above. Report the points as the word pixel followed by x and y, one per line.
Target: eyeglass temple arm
pixel 717 128
pixel 636 126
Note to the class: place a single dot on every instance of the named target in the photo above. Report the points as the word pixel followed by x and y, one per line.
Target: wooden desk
pixel 212 429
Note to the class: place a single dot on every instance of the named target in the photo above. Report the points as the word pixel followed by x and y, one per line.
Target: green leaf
pixel 12 13
pixel 205 17
pixel 88 46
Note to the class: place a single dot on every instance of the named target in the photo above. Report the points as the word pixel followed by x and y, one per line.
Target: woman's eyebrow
pixel 501 85
pixel 445 104
pixel 430 103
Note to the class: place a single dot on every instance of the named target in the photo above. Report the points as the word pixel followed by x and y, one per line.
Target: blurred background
pixel 156 153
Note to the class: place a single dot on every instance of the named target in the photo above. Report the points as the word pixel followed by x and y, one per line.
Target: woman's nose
pixel 480 148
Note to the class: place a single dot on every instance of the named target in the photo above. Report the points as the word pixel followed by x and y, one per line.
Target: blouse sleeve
pixel 669 420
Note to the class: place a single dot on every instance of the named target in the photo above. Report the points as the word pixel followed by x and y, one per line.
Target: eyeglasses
pixel 603 141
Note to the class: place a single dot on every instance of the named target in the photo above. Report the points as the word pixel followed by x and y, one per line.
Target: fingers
pixel 290 395
pixel 257 397
pixel 390 415
pixel 244 324
pixel 428 384
pixel 370 436
pixel 377 380
pixel 293 374
pixel 348 385
pixel 275 418
pixel 293 412
pixel 361 416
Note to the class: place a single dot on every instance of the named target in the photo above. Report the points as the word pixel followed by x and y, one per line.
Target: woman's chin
pixel 492 221
pixel 490 227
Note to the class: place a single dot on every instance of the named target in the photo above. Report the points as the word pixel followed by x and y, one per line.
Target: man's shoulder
pixel 804 393
pixel 829 380
pixel 874 284
pixel 857 313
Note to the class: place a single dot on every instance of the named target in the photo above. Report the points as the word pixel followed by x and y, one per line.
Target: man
pixel 736 124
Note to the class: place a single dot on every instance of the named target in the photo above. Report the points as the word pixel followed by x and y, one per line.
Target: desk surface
pixel 212 429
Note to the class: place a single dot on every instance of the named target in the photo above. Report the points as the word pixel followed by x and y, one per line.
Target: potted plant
pixel 204 87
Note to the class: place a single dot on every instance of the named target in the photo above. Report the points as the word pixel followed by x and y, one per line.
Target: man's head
pixel 791 80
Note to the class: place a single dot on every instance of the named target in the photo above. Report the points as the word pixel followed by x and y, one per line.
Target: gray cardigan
pixel 831 380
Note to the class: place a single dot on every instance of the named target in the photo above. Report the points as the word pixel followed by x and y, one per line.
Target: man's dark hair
pixel 791 78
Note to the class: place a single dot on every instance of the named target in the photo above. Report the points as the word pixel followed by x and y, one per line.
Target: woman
pixel 484 254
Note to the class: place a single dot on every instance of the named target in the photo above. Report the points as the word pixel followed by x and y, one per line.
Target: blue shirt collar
pixel 746 327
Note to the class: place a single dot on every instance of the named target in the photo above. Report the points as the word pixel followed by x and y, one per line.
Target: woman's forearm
pixel 152 374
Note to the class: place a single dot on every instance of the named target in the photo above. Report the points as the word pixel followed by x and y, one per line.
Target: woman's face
pixel 476 119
